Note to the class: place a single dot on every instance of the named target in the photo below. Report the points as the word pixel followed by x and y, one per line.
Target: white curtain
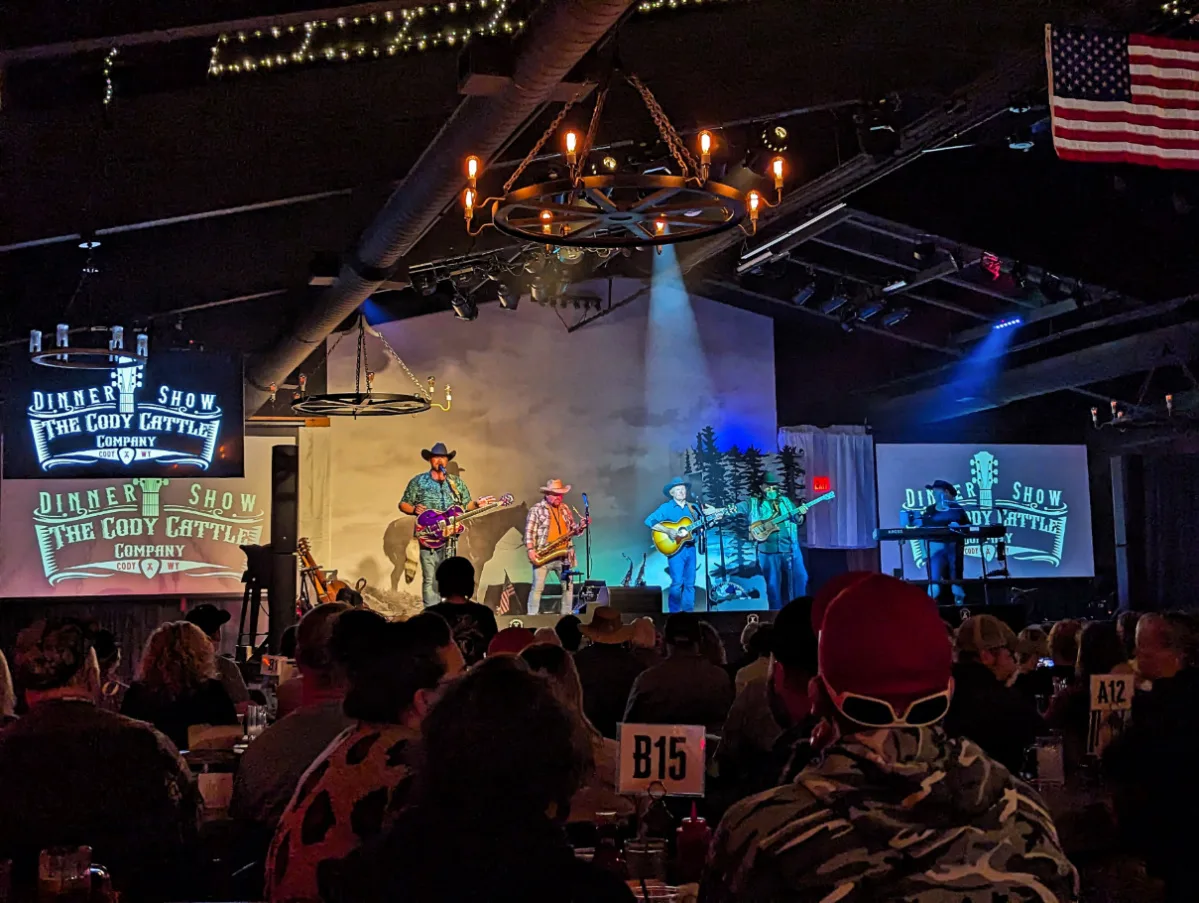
pixel 844 454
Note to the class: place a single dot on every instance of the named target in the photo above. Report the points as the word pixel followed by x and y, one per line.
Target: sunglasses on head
pixel 871 712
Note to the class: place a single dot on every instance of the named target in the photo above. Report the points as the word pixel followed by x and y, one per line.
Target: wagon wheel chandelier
pixel 64 355
pixel 368 402
pixel 617 210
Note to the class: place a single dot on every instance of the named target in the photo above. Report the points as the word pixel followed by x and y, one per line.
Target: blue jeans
pixel 945 562
pixel 533 607
pixel 681 566
pixel 429 560
pixel 786 576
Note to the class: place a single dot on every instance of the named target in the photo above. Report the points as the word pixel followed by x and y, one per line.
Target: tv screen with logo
pixel 179 413
pixel 134 535
pixel 1039 493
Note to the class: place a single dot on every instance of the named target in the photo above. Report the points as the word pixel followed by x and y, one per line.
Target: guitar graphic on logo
pixel 984 470
pixel 150 487
pixel 127 381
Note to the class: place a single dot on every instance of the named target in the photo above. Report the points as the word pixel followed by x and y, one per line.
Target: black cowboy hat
pixel 438 451
pixel 945 485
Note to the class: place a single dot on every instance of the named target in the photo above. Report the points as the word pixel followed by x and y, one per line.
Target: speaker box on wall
pixel 642 600
pixel 285 495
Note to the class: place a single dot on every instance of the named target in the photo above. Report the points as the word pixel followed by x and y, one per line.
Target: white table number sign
pixel 662 757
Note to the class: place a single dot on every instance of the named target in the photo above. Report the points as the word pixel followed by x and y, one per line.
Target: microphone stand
pixel 587 538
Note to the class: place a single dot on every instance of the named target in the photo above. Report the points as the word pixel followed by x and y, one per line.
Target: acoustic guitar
pixel 688 530
pixel 325 588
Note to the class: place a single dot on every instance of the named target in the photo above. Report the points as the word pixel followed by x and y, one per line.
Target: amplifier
pixel 640 600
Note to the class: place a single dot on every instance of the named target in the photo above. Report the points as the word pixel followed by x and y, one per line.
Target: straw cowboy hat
pixel 555 487
pixel 438 451
pixel 606 627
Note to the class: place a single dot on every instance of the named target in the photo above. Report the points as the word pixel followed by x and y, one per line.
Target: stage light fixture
pixel 871 307
pixel 834 303
pixel 925 251
pixel 509 296
pixel 610 163
pixel 895 316
pixel 1008 323
pixel 804 295
pixel 464 307
pixel 425 282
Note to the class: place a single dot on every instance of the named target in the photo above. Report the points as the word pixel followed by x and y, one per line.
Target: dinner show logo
pixel 1035 516
pixel 109 423
pixel 148 526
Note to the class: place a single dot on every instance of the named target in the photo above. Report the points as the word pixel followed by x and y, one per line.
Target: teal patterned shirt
pixel 422 489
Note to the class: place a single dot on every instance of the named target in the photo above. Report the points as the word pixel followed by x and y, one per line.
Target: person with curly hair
pixel 598 793
pixel 486 825
pixel 177 685
pixel 73 773
pixel 8 701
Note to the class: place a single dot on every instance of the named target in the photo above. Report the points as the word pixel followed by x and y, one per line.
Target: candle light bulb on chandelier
pixel 754 201
pixel 572 147
pixel 472 169
pixel 546 221
pixel 1170 405
pixel 468 204
pixel 1115 407
pixel 776 169
pixel 660 226
pixel 705 148
pixel 1095 417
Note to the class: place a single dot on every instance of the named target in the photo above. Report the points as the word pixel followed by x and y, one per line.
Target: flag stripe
pixel 1124 98
pixel 1068 152
pixel 1140 113
pixel 1126 147
pixel 1105 133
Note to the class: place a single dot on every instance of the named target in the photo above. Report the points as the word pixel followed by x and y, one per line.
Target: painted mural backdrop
pixel 613 409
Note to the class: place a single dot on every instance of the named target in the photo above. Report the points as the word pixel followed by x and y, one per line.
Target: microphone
pixel 441 467
pixel 586 504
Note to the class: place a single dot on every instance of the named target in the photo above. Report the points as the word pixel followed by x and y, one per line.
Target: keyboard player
pixel 946 559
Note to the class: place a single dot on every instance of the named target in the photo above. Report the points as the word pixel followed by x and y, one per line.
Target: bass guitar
pixel 685 531
pixel 762 530
pixel 435 528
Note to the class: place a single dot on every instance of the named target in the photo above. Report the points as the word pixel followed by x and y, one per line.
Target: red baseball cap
pixel 511 640
pixel 831 589
pixel 882 638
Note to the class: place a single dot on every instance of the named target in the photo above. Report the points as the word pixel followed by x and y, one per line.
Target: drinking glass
pixel 64 875
pixel 255 722
pixel 1044 762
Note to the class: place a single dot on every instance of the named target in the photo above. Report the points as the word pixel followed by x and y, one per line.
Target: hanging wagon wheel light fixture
pixel 617 210
pixel 368 403
pixel 113 355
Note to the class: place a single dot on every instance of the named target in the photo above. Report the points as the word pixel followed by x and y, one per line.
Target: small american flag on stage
pixel 507 594
pixel 1120 98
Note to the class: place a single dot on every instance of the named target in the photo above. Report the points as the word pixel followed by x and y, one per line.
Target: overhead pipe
pixel 556 39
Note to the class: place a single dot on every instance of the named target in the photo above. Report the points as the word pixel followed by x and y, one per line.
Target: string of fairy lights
pixel 381 35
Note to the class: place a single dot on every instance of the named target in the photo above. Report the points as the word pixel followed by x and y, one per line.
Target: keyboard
pixel 944 534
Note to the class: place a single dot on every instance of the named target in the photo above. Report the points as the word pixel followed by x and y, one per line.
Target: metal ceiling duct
pixel 557 38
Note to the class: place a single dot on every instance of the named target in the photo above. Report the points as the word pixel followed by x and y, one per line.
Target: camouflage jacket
pixel 932 821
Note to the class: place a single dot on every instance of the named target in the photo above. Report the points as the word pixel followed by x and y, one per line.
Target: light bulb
pixel 546 221
pixel 572 145
pixel 755 200
pixel 705 147
pixel 660 226
pixel 468 200
pixel 472 169
pixel 776 167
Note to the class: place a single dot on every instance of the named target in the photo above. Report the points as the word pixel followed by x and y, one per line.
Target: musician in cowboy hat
pixel 945 559
pixel 681 565
pixel 780 557
pixel 436 489
pixel 551 525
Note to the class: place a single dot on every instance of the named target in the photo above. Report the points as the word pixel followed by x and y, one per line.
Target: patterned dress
pixel 350 794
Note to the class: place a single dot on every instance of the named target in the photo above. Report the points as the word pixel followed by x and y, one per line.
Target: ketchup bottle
pixel 691 848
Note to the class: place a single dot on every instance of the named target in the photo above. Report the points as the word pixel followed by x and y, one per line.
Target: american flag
pixel 1120 98
pixel 507 594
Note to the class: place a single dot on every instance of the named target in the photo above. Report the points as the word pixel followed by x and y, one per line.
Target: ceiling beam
pixel 733 288
pixel 923 299
pixel 1111 360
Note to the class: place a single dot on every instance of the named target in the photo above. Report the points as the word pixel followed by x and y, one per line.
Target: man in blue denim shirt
pixel 780 557
pixel 680 565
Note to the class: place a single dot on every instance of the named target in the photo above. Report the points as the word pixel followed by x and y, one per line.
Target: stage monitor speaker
pixel 1013 615
pixel 285 496
pixel 641 600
